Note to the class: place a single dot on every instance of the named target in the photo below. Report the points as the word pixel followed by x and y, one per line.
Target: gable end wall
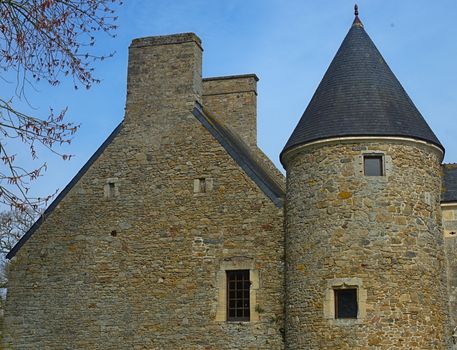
pixel 140 269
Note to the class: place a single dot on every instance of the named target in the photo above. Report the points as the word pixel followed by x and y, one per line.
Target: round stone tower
pixel 364 248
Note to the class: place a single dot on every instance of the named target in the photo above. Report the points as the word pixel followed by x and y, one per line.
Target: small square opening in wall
pixel 111 188
pixel 373 165
pixel 203 185
pixel 346 305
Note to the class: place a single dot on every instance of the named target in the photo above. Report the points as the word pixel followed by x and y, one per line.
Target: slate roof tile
pixel 449 183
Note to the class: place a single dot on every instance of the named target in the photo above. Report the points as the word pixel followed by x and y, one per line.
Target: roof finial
pixel 357 22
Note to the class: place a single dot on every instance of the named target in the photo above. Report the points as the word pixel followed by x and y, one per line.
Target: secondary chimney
pixel 234 100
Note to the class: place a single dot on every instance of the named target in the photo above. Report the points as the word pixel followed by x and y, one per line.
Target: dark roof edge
pixel 238 76
pixel 332 138
pixel 64 192
pixel 449 201
pixel 273 191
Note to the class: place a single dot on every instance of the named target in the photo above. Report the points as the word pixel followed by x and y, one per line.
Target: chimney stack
pixel 164 79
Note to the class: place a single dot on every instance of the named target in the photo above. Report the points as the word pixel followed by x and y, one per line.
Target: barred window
pixel 238 289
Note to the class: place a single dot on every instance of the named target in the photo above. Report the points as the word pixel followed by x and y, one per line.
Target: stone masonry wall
pixel 450 244
pixel 137 267
pixel 380 234
pixel 234 100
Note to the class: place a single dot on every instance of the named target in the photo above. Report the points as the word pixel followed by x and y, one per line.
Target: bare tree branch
pixel 44 40
pixel 13 225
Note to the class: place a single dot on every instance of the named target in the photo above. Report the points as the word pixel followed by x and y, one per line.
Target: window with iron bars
pixel 238 290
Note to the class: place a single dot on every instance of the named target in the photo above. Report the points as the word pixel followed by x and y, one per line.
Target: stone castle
pixel 179 233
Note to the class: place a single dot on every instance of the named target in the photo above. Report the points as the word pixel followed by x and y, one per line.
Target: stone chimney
pixel 234 100
pixel 164 79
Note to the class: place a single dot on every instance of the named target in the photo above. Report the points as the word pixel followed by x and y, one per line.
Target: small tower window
pixel 373 165
pixel 346 305
pixel 238 290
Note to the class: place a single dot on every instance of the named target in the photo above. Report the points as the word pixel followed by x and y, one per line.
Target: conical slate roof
pixel 360 96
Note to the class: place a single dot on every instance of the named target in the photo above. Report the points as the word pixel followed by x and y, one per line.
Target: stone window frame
pixel 237 263
pixel 111 188
pixel 203 184
pixel 386 165
pixel 329 300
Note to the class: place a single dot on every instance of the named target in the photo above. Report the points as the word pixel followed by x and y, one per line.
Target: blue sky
pixel 288 44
